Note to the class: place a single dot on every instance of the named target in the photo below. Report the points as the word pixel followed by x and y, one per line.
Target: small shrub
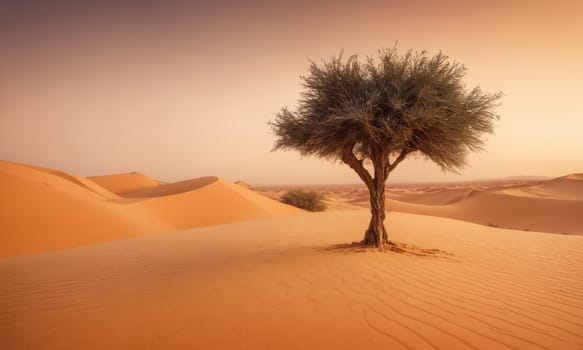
pixel 308 200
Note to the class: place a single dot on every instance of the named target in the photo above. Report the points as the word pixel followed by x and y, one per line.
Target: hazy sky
pixel 181 89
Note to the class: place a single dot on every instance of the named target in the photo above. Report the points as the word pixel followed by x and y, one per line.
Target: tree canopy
pixel 411 102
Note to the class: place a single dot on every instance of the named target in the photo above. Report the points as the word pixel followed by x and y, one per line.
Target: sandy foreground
pixel 256 274
pixel 283 283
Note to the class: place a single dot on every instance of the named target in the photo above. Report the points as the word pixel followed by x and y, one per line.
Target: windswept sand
pixel 43 209
pixel 281 283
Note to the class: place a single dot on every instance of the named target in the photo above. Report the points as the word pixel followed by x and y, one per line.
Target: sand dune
pixel 281 283
pixel 43 209
pixel 170 189
pixel 436 197
pixel 500 210
pixel 214 203
pixel 553 206
pixel 122 183
pixel 568 187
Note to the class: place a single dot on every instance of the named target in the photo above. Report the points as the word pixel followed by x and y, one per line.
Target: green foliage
pixel 391 105
pixel 308 200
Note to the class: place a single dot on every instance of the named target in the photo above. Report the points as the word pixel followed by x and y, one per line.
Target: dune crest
pixel 122 183
pixel 169 189
pixel 43 209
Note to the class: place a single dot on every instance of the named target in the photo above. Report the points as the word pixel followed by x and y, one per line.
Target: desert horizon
pixel 291 175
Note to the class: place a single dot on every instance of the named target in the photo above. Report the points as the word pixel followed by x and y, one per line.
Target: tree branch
pixel 349 158
pixel 391 166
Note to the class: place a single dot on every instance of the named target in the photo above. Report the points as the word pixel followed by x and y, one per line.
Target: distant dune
pixel 554 206
pixel 43 209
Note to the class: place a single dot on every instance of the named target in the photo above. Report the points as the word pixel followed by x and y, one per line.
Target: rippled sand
pixel 290 282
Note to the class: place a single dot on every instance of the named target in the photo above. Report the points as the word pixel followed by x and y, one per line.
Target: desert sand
pixel 553 205
pixel 43 209
pixel 83 269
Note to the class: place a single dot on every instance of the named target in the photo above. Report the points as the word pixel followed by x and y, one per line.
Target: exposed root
pixel 390 247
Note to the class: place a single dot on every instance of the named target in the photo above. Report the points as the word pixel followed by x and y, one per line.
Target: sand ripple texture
pixel 285 283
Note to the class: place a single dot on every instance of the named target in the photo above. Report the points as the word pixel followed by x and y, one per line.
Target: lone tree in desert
pixel 373 114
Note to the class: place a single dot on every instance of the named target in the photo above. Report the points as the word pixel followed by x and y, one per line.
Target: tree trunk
pixel 376 234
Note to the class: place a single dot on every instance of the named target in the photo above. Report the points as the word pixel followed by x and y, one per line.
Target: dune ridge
pixel 122 183
pixel 43 209
pixel 169 189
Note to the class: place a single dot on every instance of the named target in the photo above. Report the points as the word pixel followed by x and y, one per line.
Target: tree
pixel 378 112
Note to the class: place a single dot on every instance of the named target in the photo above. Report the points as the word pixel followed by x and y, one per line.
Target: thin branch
pixel 349 158
pixel 391 166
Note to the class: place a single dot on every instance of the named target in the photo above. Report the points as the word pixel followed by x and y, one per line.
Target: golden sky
pixel 181 89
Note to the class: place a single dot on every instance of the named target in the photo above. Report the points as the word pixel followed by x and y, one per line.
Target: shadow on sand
pixel 392 247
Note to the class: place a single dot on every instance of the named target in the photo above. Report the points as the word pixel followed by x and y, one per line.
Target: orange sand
pixel 269 276
pixel 554 206
pixel 43 209
pixel 278 283
pixel 121 183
